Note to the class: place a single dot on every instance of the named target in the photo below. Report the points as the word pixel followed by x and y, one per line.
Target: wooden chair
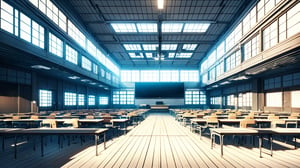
pixel 90 117
pixel 49 123
pixel 73 123
pixel 248 123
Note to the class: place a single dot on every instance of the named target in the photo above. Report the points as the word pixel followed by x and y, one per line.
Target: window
pixel 220 69
pixel 189 47
pixel 95 69
pixel 81 99
pixel 25 27
pixel 91 100
pixel 55 45
pixel 196 27
pixel 146 27
pixel 123 97
pixel 295 97
pixel 71 55
pixel 91 48
pixel 189 76
pixel 7 17
pixel 251 48
pixel 132 47
pixel 272 83
pixel 76 34
pixel 70 99
pixel 293 23
pixel 270 36
pixel 149 76
pixel 195 97
pixel 124 27
pixel 230 100
pixel 45 98
pixel 86 63
pixel 172 27
pixel 108 76
pixel 171 47
pixel 37 35
pixel 103 100
pixel 216 100
pixel 169 76
pixel 274 99
pixel 130 76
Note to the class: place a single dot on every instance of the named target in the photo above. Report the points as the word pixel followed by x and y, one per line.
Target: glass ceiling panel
pixel 149 55
pixel 131 47
pixel 184 55
pixel 147 27
pixel 136 55
pixel 196 27
pixel 124 27
pixel 150 47
pixel 189 47
pixel 168 46
pixel 172 27
pixel 171 55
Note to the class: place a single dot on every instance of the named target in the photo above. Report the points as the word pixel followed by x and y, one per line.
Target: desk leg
pixel 104 140
pixel 15 146
pixel 3 143
pixel 96 143
pixel 271 144
pixel 260 144
pixel 42 145
pixel 295 142
pixel 221 142
pixel 212 139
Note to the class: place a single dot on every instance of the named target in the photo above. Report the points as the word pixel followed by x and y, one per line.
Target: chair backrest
pixel 90 117
pixel 15 117
pixel 71 123
pixel 49 123
pixel 106 119
pixel 34 117
pixel 246 123
pixel 294 114
pixel 231 116
pixel 273 117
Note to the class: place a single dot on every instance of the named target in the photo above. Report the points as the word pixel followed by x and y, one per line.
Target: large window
pixel 45 98
pixel 230 100
pixel 55 45
pixel 123 97
pixel 274 99
pixel 76 34
pixel 251 48
pixel 293 22
pixel 195 97
pixel 25 27
pixel 91 100
pixel 70 99
pixel 169 76
pixel 189 76
pixel 86 63
pixel 8 14
pixel 71 55
pixel 95 68
pixel 216 100
pixel 130 76
pixel 270 36
pixel 295 97
pixel 103 100
pixel 81 99
pixel 149 76
pixel 37 35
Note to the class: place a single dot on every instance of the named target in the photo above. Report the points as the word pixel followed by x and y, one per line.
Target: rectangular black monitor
pixel 159 90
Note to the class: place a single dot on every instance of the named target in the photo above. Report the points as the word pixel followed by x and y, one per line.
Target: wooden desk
pixel 120 121
pixel 55 131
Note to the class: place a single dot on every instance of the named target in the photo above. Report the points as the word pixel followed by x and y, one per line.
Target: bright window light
pixel 160 4
pixel 196 27
pixel 136 55
pixel 169 47
pixel 147 27
pixel 124 27
pixel 184 55
pixel 172 27
pixel 171 55
pixel 150 47
pixel 149 55
pixel 189 47
pixel 131 47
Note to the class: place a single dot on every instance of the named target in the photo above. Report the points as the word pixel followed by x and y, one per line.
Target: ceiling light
pixel 160 4
pixel 74 77
pixel 40 67
pixel 85 80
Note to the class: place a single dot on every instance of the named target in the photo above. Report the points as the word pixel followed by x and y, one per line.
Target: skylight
pixel 169 47
pixel 124 27
pixel 171 55
pixel 189 47
pixel 136 55
pixel 196 27
pixel 147 27
pixel 172 27
pixel 150 47
pixel 149 55
pixel 132 47
pixel 184 55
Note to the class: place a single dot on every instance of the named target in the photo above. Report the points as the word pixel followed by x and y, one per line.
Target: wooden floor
pixel 159 141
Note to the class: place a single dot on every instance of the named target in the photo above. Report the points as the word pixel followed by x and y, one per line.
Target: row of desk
pixel 42 132
pixel 260 132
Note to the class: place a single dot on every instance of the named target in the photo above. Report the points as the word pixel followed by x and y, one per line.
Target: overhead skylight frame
pixel 195 27
pixel 136 55
pixel 146 27
pixel 171 55
pixel 150 47
pixel 184 55
pixel 132 47
pixel 169 47
pixel 170 27
pixel 124 27
pixel 189 47
pixel 149 55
